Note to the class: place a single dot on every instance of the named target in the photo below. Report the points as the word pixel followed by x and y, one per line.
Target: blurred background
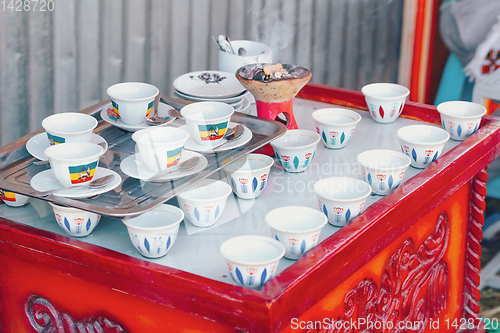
pixel 63 59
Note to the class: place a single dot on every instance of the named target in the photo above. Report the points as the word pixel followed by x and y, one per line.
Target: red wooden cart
pixel 409 263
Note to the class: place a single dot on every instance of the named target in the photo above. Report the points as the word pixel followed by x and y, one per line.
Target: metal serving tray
pixel 132 196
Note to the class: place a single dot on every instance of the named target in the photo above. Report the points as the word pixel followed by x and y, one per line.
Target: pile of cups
pixel 74 160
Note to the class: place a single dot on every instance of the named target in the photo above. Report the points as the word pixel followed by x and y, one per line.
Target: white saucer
pixel 246 104
pixel 46 181
pixel 209 84
pixel 109 116
pixel 228 100
pixel 134 167
pixel 37 144
pixel 245 138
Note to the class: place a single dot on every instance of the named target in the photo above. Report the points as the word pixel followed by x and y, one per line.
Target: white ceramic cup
pixel 461 118
pixel 383 169
pixel 161 147
pixel 69 127
pixel 204 202
pixel 385 100
pixel 252 260
pixel 254 52
pixel 335 126
pixel 249 175
pixel 75 222
pixel 341 199
pixel 422 143
pixel 154 232
pixel 13 199
pixel 132 101
pixel 295 149
pixel 207 122
pixel 296 227
pixel 74 163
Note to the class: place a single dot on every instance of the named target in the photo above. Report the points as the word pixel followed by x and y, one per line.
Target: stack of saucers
pixel 214 86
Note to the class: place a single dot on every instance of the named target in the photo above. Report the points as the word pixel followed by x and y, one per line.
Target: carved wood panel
pixel 44 317
pixel 413 289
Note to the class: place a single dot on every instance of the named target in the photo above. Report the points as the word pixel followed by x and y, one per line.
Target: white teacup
pixel 69 127
pixel 207 122
pixel 335 126
pixel 385 100
pixel 13 199
pixel 249 175
pixel 132 101
pixel 75 222
pixel 383 169
pixel 74 163
pixel 296 227
pixel 204 202
pixel 461 118
pixel 161 147
pixel 154 232
pixel 341 199
pixel 252 260
pixel 254 52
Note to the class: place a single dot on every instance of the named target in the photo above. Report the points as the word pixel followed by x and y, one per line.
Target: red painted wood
pixel 303 284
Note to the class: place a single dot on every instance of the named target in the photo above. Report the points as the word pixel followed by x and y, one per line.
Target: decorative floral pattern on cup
pixel 296 149
pixel 204 202
pixel 248 176
pixel 154 232
pixel 75 222
pixel 422 143
pixel 341 199
pixel 336 126
pixel 461 119
pixel 248 267
pixel 297 228
pixel 383 169
pixel 385 101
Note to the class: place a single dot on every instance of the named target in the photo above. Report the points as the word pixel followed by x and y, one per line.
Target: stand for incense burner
pixel 274 99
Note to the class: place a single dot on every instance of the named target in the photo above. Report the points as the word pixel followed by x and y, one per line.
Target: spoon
pixel 102 144
pixel 238 132
pixel 156 119
pixel 174 113
pixel 188 164
pixel 93 184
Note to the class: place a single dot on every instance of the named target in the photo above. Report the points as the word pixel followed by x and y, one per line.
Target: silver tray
pixel 132 196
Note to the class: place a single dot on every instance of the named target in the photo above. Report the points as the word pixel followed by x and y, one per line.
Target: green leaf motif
pixel 296 162
pixel 342 138
pixel 323 135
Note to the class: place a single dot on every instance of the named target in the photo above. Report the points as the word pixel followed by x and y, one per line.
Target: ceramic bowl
pixel 204 202
pixel 132 101
pixel 296 227
pixel 73 163
pixel 161 147
pixel 154 232
pixel 207 121
pixel 295 149
pixel 460 118
pixel 252 260
pixel 383 169
pixel 335 126
pixel 255 52
pixel 69 127
pixel 13 199
pixel 249 175
pixel 75 222
pixel 422 143
pixel 385 100
pixel 341 199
